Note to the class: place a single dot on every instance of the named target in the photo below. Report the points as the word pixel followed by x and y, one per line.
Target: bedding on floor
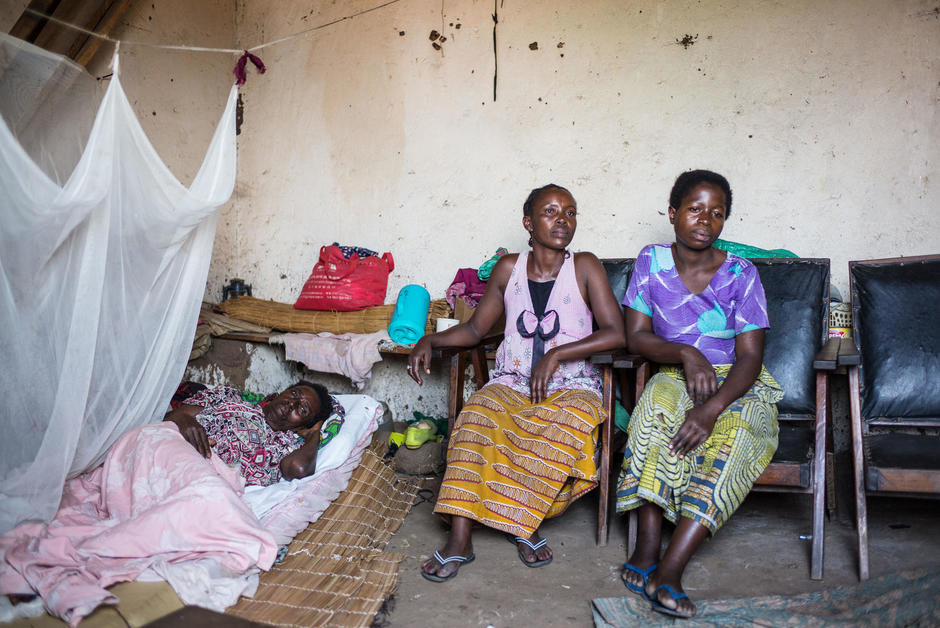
pixel 157 509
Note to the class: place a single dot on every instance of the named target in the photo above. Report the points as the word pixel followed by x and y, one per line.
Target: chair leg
pixel 858 462
pixel 819 477
pixel 458 367
pixel 603 471
pixel 632 525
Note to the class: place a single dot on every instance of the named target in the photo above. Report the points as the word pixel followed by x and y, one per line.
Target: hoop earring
pixel 530 241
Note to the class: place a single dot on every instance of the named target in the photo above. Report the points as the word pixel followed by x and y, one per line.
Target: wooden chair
pixel 618 274
pixel 799 354
pixel 894 388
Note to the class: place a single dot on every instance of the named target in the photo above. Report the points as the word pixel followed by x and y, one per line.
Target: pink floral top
pixel 242 435
pixel 574 320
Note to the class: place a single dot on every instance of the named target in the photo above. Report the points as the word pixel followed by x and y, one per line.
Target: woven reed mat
pixel 336 572
pixel 284 317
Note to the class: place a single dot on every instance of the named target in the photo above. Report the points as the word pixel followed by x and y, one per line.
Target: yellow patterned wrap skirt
pixel 512 463
pixel 710 485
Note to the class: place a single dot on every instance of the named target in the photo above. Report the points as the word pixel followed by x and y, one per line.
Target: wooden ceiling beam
pixel 29 25
pixel 105 25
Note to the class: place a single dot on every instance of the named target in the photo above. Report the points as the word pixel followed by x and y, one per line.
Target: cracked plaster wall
pixel 822 115
pixel 376 131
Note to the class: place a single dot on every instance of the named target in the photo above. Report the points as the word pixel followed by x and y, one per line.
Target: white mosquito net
pixel 102 271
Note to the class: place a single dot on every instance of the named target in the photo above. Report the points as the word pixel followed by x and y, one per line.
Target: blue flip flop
pixel 532 546
pixel 665 610
pixel 645 574
pixel 462 560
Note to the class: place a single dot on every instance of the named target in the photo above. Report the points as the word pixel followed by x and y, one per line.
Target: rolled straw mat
pixel 284 317
pixel 336 572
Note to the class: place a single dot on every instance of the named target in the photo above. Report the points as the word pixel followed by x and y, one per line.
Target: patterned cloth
pixel 349 251
pixel 243 437
pixel 486 268
pixel 732 303
pixel 333 424
pixel 511 463
pixel 710 485
pixel 567 308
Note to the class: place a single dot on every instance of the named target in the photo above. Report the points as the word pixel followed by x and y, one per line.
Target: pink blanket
pixel 154 500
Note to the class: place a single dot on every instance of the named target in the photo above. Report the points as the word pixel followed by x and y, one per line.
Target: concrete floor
pixel 759 552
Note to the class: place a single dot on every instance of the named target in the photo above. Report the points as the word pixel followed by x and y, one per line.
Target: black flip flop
pixel 533 546
pixel 462 560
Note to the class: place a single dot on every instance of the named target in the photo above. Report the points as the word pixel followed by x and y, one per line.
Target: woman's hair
pixel 527 207
pixel 326 401
pixel 689 179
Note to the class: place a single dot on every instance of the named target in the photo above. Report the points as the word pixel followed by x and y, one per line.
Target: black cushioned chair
pixel 799 354
pixel 618 274
pixel 894 304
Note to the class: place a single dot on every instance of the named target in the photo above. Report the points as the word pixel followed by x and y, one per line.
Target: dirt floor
pixel 763 550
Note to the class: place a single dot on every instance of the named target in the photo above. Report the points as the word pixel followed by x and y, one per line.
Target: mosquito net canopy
pixel 103 262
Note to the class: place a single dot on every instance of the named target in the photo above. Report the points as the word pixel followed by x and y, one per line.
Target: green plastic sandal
pixel 420 433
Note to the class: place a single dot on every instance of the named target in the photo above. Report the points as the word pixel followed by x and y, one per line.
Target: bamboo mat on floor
pixel 337 572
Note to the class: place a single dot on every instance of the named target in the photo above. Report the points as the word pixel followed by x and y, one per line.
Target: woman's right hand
pixel 420 359
pixel 194 433
pixel 700 379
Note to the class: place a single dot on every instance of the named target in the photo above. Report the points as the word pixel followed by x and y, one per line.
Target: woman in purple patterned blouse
pixel 706 425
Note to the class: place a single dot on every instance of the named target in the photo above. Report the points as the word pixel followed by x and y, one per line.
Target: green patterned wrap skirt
pixel 709 485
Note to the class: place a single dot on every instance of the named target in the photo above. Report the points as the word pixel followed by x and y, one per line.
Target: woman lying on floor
pixel 523 446
pixel 277 438
pixel 706 425
pixel 162 504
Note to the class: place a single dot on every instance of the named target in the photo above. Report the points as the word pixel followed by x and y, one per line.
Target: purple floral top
pixel 565 309
pixel 731 304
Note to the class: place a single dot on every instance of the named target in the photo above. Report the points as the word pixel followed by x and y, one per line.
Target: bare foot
pixel 438 568
pixel 635 576
pixel 666 589
pixel 532 553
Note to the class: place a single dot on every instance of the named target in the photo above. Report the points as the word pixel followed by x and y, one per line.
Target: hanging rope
pixel 126 42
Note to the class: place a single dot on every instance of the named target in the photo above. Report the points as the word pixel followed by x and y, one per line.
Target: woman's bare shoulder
pixel 585 261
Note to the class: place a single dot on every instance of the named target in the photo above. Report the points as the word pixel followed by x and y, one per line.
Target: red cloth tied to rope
pixel 239 71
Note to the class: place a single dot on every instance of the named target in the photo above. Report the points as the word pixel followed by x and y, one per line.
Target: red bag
pixel 344 285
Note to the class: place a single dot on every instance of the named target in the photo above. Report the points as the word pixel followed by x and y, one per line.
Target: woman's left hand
pixel 541 375
pixel 695 430
pixel 307 432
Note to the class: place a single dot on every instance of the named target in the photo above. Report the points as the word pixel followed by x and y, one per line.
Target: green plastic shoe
pixel 396 439
pixel 420 433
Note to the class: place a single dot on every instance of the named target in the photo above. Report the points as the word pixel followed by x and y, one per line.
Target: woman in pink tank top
pixel 522 449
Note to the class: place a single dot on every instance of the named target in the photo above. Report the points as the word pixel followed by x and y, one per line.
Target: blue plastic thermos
pixel 411 315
